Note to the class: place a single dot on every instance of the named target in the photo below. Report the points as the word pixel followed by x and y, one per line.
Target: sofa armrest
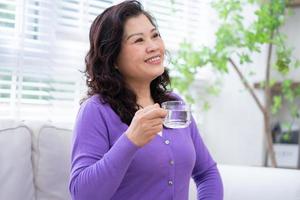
pixel 259 183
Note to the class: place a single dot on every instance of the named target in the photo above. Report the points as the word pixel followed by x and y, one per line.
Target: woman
pixel 117 152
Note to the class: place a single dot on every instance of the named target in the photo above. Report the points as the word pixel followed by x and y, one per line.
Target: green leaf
pixel 286 84
pixel 286 136
pixel 262 84
pixel 297 91
pixel 282 67
pixel 294 110
pixel 277 103
pixel 272 82
pixel 206 106
pixel 286 126
pixel 189 99
pixel 287 90
pixel 244 58
pixel 213 90
pixel 297 63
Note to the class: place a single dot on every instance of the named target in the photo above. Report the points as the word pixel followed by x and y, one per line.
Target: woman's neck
pixel 145 102
pixel 144 97
pixel 143 94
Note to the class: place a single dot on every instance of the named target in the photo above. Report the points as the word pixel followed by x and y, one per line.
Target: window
pixel 41 52
pixel 43 44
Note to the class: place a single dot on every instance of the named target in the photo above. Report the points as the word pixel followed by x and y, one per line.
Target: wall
pixel 292 30
pixel 233 128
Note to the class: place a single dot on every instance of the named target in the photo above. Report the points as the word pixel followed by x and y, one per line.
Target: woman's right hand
pixel 145 124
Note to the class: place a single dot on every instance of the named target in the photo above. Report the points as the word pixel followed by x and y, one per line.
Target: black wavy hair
pixel 102 78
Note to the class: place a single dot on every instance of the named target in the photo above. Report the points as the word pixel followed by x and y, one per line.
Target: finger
pixel 154 130
pixel 156 113
pixel 156 122
pixel 147 108
pixel 150 107
pixel 139 111
pixel 157 129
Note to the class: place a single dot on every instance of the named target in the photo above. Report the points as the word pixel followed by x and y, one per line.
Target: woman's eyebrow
pixel 134 34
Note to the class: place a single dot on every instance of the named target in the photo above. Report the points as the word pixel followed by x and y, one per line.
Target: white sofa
pixel 35 165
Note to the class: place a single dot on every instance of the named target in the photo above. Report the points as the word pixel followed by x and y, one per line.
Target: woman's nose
pixel 152 46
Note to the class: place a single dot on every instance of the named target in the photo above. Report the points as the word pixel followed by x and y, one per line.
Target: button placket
pixel 170 180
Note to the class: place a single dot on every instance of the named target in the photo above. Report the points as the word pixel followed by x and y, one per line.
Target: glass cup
pixel 179 114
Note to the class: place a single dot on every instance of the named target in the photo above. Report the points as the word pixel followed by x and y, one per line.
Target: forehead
pixel 138 24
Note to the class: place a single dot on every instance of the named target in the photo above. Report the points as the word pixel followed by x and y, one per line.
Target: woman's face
pixel 142 51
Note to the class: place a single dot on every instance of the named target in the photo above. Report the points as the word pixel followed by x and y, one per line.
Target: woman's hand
pixel 145 124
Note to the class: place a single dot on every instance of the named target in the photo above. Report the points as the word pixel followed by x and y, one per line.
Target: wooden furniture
pixel 294 3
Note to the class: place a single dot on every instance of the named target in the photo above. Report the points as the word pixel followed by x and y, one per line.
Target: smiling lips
pixel 155 60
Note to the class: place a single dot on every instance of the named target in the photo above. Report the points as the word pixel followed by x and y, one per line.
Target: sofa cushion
pixel 260 183
pixel 52 159
pixel 15 162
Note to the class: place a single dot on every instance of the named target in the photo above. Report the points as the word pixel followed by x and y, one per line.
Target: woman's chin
pixel 158 72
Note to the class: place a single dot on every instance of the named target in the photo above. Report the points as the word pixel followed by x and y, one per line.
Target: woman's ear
pixel 116 64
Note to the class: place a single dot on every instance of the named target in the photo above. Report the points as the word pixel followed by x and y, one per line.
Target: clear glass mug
pixel 179 114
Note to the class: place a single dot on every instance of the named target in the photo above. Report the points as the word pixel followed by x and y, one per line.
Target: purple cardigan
pixel 107 165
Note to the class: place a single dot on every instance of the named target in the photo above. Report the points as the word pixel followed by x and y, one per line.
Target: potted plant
pixel 236 42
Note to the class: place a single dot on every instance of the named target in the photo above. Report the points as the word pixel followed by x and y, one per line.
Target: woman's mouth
pixel 155 60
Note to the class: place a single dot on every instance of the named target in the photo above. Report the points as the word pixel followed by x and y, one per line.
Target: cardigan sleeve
pixel 96 168
pixel 205 172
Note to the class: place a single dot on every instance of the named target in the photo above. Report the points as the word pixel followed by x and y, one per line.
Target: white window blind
pixel 180 20
pixel 42 48
pixel 43 44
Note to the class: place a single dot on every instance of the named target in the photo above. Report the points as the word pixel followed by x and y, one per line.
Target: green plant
pixel 240 40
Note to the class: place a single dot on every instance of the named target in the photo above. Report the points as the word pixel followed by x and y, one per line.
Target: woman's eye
pixel 156 35
pixel 138 40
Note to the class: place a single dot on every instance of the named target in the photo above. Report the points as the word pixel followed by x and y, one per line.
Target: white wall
pixel 292 30
pixel 233 128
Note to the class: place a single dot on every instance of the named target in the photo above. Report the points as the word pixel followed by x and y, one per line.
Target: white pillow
pixel 15 162
pixel 53 154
